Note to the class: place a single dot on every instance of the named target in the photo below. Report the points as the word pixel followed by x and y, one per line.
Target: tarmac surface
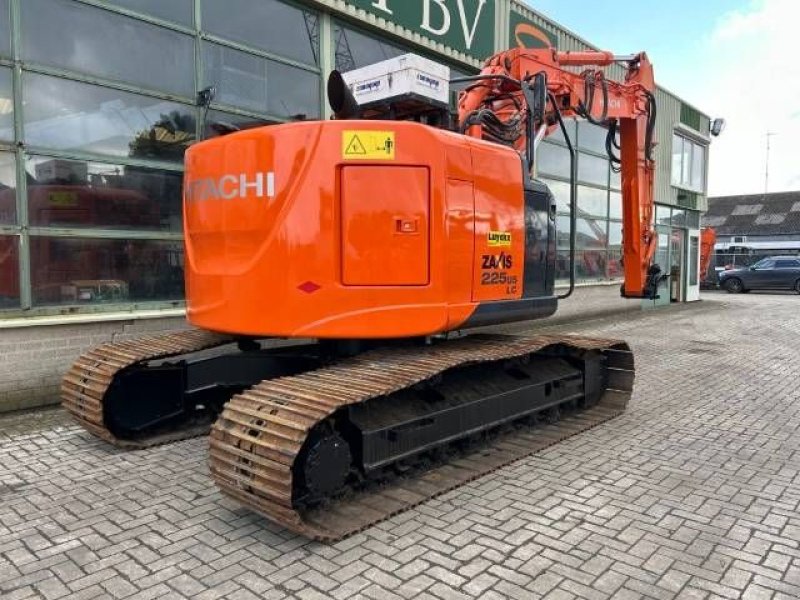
pixel 693 493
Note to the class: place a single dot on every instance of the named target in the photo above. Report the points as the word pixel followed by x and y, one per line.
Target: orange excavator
pixel 368 248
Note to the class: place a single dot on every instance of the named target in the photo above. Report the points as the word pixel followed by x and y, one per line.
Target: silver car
pixel 772 273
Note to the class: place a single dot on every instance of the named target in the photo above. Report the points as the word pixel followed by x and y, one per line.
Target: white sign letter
pixel 426 17
pixel 381 5
pixel 469 34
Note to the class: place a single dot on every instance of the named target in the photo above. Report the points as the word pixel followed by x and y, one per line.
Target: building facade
pixel 98 105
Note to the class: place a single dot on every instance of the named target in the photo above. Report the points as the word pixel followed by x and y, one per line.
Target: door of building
pixel 661 259
pixel 676 267
pixel 692 279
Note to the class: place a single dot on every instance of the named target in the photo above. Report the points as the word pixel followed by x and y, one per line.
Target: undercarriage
pixel 328 440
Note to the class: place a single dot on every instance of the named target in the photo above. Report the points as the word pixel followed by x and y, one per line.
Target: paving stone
pixel 692 493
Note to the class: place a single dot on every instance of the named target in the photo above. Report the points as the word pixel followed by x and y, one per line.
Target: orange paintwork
pixel 627 103
pixel 708 238
pixel 329 255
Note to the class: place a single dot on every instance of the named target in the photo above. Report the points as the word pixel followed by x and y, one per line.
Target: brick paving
pixel 693 493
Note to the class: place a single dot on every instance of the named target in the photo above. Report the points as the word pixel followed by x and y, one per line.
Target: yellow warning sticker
pixel 368 145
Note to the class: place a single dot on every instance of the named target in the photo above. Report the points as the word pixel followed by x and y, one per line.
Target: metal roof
pixel 754 214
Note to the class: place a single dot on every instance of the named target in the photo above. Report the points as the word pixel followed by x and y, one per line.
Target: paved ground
pixel 693 493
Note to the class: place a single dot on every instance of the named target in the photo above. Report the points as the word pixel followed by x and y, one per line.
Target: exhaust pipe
pixel 341 99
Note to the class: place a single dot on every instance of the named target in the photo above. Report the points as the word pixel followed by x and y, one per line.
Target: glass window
pixel 218 117
pixel 616 179
pixel 615 268
pixel 553 160
pixel 678 217
pixel 693 219
pixel 591 233
pixel 76 271
pixel 560 190
pixel 591 264
pixel 592 137
pixel 6 105
pixel 764 263
pixel 180 11
pixel 259 84
pixel 787 264
pixel 91 40
pixel 8 185
pixel 688 164
pixel 592 201
pixel 68 115
pixel 355 49
pixel 677 159
pixel 663 214
pixel 72 193
pixel 615 205
pixel 266 24
pixel 698 167
pixel 557 134
pixel 5 28
pixel 9 271
pixel 694 259
pixel 592 169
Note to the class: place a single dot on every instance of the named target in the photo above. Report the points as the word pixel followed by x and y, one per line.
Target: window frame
pixel 681 180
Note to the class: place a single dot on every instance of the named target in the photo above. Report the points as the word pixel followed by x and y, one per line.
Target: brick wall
pixel 33 359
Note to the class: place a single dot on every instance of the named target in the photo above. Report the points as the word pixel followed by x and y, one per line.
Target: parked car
pixel 772 273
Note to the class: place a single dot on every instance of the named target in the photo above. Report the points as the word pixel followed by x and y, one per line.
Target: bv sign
pixel 463 25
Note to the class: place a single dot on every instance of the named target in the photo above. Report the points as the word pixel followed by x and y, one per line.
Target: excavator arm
pixel 522 95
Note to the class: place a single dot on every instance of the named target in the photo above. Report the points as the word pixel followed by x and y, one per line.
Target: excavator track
pixel 85 385
pixel 255 443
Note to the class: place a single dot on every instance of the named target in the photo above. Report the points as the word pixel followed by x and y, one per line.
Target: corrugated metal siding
pixel 669 113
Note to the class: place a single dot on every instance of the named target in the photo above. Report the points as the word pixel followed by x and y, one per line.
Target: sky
pixel 735 59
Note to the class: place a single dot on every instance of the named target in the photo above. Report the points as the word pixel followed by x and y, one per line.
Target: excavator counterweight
pixel 369 246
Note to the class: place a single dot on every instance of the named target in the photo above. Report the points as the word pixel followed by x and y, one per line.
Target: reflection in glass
pixel 614 250
pixel 261 85
pixel 355 49
pixel 677 159
pixel 71 193
pixel 75 36
pixel 592 137
pixel 558 135
pixel 592 201
pixel 9 271
pixel 560 190
pixel 8 191
pixel 590 265
pixel 68 115
pixel 270 25
pixel 615 205
pixel 663 214
pixel 217 121
pixel 180 11
pixel 590 233
pixel 6 105
pixel 698 167
pixel 592 169
pixel 75 271
pixel 553 160
pixel 616 178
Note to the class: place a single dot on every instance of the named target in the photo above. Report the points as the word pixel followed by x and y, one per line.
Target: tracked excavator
pixel 334 271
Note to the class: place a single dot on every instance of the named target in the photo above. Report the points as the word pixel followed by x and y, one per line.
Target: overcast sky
pixel 735 59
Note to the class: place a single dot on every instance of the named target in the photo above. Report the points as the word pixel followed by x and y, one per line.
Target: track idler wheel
pixel 323 465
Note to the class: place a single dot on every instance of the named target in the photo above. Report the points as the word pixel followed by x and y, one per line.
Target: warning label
pixel 368 145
